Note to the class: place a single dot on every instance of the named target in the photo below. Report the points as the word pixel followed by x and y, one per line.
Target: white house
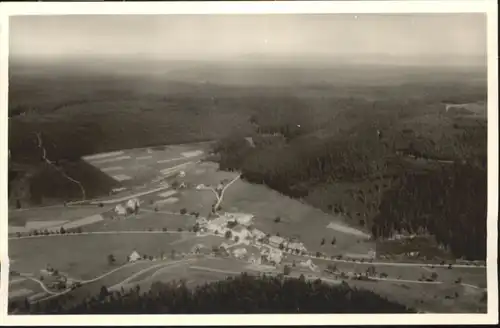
pixel 241 218
pixel 296 245
pixel 309 264
pixel 133 203
pixel 276 241
pixel 120 209
pixel 272 255
pixel 134 257
pixel 240 252
pixel 257 234
pixel 182 174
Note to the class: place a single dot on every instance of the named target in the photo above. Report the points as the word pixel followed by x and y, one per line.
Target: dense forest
pixel 425 176
pixel 235 295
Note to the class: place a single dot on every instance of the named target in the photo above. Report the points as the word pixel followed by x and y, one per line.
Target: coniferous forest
pixel 423 179
pixel 235 295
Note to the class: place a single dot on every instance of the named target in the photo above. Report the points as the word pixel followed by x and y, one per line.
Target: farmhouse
pixel 134 256
pixel 241 218
pixel 271 255
pixel 120 209
pixel 133 204
pixel 296 246
pixel 239 252
pixel 276 241
pixel 257 234
pixel 309 264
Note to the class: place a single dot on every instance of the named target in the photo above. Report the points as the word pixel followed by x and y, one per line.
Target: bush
pixel 183 211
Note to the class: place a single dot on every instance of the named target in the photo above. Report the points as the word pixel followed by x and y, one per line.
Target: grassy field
pixel 297 219
pixel 145 221
pixel 20 218
pixel 84 256
pixel 16 289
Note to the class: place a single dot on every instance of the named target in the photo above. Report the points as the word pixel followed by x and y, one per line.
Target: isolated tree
pixel 459 280
pixel 287 270
pixel 334 241
pixel 236 238
pixel 277 219
pixel 281 246
pixel 228 234
pixel 103 293
pixel 322 241
pixel 302 278
pixel 164 229
pixel 62 230
pixel 371 271
pixel 434 276
pixel 179 229
pixel 183 211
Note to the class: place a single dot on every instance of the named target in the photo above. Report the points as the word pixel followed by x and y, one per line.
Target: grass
pixel 19 218
pixel 145 221
pixel 297 218
pixel 26 284
pixel 83 256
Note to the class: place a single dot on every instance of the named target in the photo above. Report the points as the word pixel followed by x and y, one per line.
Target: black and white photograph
pixel 317 163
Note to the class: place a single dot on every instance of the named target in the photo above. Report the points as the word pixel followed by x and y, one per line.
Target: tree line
pixel 447 200
pixel 234 295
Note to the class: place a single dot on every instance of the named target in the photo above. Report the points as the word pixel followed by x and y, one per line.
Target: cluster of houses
pixel 237 226
pixel 53 279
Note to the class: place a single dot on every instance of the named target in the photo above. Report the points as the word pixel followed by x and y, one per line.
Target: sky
pixel 233 36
